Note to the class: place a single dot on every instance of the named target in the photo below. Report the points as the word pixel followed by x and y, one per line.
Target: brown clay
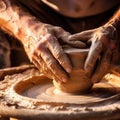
pixel 78 80
pixel 19 99
pixel 102 103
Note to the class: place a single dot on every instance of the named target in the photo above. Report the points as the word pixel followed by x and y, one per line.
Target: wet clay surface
pixel 78 81
pixel 31 95
pixel 48 93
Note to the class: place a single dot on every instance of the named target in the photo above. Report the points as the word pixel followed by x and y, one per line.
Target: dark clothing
pixel 47 15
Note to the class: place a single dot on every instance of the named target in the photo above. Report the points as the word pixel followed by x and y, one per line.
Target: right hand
pixel 45 51
pixel 104 50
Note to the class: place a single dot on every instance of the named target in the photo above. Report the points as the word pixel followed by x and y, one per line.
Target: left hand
pixel 104 50
pixel 44 48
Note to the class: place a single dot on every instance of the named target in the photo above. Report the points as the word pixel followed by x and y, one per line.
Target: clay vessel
pixel 78 81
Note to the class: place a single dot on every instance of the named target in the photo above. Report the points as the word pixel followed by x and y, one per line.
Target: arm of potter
pixel 40 40
pixel 14 20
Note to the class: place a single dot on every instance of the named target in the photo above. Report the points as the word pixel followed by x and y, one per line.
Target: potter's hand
pixel 103 50
pixel 45 51
pixel 41 41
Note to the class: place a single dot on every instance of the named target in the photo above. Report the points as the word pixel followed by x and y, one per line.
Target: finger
pixel 52 64
pixel 82 36
pixel 39 63
pixel 59 54
pixel 103 67
pixel 93 56
pixel 65 37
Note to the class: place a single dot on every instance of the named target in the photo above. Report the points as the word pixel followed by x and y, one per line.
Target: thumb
pixel 66 38
pixel 103 67
pixel 82 36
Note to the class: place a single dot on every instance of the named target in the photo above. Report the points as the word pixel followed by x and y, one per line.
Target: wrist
pixel 112 31
pixel 17 22
pixel 114 26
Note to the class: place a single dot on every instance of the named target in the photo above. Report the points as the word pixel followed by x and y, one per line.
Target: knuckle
pixel 97 45
pixel 39 46
pixel 51 64
pixel 58 28
pixel 46 39
pixel 59 55
pixel 31 57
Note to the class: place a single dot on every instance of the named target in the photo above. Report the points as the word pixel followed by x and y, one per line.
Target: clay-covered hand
pixel 104 50
pixel 45 51
pixel 42 42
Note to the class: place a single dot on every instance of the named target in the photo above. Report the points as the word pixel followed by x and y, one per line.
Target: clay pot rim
pixel 76 50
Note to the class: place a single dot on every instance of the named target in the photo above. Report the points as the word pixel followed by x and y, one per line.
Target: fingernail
pixel 64 79
pixel 69 70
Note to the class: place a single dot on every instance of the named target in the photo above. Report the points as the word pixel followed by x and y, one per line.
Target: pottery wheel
pixel 32 95
pixel 47 93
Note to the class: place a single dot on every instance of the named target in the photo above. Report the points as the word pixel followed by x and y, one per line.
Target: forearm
pixel 16 21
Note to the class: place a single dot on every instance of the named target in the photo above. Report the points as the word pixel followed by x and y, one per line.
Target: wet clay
pixel 48 93
pixel 32 96
pixel 78 81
